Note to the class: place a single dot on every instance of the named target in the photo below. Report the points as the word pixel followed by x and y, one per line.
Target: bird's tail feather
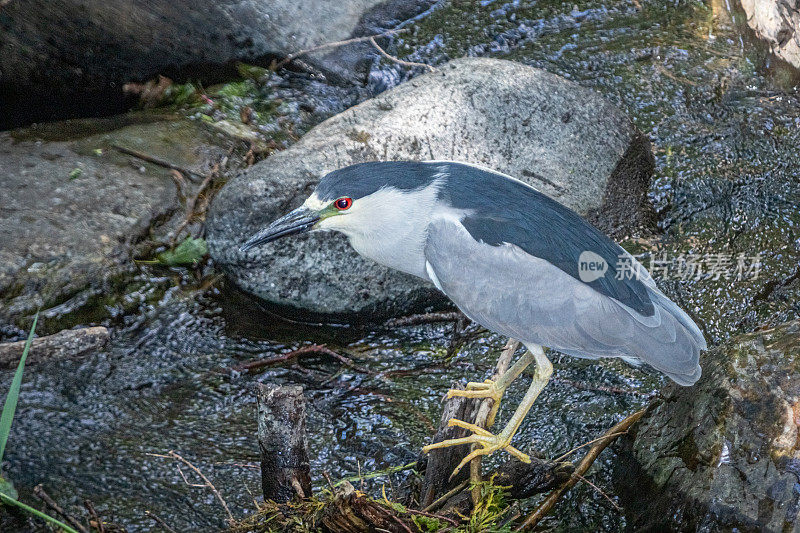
pixel 679 359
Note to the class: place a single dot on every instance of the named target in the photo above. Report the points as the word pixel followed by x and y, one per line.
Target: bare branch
pixel 600 491
pixel 207 483
pixel 547 505
pixel 486 414
pixel 39 492
pixel 334 44
pixel 385 54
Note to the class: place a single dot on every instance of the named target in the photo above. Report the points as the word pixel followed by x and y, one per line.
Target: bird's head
pixel 359 199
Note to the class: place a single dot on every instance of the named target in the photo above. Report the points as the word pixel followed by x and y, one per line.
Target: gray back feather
pixel 509 211
pixel 528 298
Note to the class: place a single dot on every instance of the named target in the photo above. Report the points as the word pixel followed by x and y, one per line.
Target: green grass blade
pixel 13 393
pixel 35 512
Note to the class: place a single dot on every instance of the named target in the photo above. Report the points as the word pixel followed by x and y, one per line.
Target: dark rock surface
pixel 723 455
pixel 69 57
pixel 561 138
pixel 72 210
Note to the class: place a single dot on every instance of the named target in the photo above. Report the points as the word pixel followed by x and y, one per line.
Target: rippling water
pixel 725 124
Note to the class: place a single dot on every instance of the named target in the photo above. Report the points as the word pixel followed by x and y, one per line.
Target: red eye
pixel 343 203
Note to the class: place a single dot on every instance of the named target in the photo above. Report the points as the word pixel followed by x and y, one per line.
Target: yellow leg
pixel 490 443
pixel 494 389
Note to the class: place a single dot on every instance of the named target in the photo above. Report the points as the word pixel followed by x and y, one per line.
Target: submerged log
pixel 62 345
pixel 285 470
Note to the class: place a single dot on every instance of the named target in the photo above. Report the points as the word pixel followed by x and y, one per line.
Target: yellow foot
pixel 488 442
pixel 487 389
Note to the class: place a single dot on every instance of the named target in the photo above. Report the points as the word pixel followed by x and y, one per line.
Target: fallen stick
pixel 156 161
pixel 96 522
pixel 65 344
pixel 319 349
pixel 486 414
pixel 335 44
pixel 547 505
pixel 160 522
pixel 206 482
pixel 39 492
pixel 442 461
pixel 390 57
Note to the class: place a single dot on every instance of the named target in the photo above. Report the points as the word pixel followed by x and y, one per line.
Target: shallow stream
pixel 724 120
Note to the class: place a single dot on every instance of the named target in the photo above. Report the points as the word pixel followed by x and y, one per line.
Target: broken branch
pixel 156 161
pixel 390 57
pixel 547 505
pixel 334 44
pixel 206 482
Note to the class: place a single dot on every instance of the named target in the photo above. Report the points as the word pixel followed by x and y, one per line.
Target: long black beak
pixel 300 220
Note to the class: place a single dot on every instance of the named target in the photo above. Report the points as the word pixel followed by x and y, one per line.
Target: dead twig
pixel 402 524
pixel 547 505
pixel 390 57
pixel 600 491
pixel 424 318
pixel 206 482
pixel 157 519
pixel 327 477
pixel 675 77
pixel 156 161
pixel 39 492
pixel 319 349
pixel 192 203
pixel 335 44
pixel 96 521
pixel 441 500
pixel 486 414
pixel 576 448
pixel 432 515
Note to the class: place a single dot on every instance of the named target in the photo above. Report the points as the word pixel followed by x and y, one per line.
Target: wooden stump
pixel 442 462
pixel 285 471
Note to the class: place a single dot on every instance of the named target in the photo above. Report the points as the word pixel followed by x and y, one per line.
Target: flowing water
pixel 724 120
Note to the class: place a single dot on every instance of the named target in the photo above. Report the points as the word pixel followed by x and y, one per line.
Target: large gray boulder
pixel 58 57
pixel 778 23
pixel 723 455
pixel 561 138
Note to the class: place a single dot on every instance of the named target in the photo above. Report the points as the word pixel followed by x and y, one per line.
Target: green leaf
pixel 75 174
pixel 10 406
pixel 252 72
pixel 189 252
pixel 35 512
pixel 7 488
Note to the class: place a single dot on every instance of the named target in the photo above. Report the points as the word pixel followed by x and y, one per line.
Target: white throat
pixel 389 226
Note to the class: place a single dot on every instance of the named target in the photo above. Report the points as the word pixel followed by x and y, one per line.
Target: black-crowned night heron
pixel 514 261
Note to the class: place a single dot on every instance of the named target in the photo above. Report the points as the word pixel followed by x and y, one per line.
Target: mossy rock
pixel 724 454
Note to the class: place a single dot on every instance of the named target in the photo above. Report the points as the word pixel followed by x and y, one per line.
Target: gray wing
pixel 525 297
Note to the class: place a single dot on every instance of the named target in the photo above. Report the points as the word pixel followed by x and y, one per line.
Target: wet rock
pixel 73 209
pixel 557 136
pixel 64 344
pixel 70 58
pixel 778 23
pixel 722 455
